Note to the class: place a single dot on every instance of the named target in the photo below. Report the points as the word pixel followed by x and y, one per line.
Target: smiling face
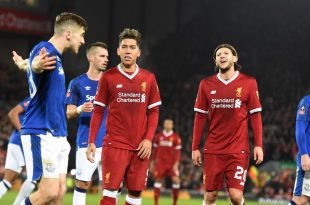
pixel 129 52
pixel 224 59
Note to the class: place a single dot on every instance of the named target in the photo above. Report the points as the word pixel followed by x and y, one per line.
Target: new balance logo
pixel 213 92
pixel 119 86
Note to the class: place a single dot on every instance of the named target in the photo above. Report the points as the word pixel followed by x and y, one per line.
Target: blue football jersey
pixel 47 108
pixel 15 137
pixel 82 89
pixel 302 128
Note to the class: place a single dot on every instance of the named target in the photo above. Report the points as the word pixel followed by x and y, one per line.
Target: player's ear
pixel 68 35
pixel 118 51
pixel 235 59
pixel 139 53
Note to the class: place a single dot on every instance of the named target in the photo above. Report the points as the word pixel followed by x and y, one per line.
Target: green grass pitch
pixel 95 198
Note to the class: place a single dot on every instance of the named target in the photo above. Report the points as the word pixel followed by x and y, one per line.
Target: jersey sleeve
pixel 253 100
pixel 302 121
pixel 72 94
pixel 25 103
pixel 154 99
pixel 201 104
pixel 102 95
pixel 177 142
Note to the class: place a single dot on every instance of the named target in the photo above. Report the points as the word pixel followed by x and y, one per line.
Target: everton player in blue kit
pixel 80 95
pixel 44 128
pixel 14 162
pixel 301 191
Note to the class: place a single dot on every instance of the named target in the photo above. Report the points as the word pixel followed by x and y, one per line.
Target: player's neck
pixel 93 74
pixel 58 44
pixel 228 74
pixel 130 69
pixel 167 132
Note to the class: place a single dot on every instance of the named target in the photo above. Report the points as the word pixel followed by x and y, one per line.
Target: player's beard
pixel 227 68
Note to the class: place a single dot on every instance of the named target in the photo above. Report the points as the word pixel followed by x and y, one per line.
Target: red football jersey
pixel 227 105
pixel 128 98
pixel 167 148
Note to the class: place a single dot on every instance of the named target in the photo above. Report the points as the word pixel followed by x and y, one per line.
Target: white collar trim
pixel 126 74
pixel 166 134
pixel 230 80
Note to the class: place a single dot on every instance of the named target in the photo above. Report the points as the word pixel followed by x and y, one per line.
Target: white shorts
pixel 84 168
pixel 14 158
pixel 45 155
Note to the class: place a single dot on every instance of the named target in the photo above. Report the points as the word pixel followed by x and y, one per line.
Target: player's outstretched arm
pixel 20 62
pixel 90 152
pixel 14 116
pixel 43 62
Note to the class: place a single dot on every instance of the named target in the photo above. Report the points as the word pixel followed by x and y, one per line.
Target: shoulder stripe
pixel 99 103
pixel 200 110
pixel 154 105
pixel 256 110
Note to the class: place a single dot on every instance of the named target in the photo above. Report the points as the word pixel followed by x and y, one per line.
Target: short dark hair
pixel 96 44
pixel 233 51
pixel 131 34
pixel 66 18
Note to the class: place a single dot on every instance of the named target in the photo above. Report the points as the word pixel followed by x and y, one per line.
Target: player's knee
pixel 210 197
pixel 134 193
pixel 236 198
pixel 110 193
pixel 82 184
pixel 301 199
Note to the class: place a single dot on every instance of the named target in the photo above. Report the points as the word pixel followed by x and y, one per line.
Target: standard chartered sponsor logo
pixel 131 97
pixel 225 103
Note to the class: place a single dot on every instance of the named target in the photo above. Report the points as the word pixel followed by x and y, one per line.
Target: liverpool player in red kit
pixel 132 97
pixel 166 159
pixel 225 101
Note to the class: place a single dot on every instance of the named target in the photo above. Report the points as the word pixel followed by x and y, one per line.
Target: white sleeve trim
pixel 178 147
pixel 200 110
pixel 256 110
pixel 154 105
pixel 99 103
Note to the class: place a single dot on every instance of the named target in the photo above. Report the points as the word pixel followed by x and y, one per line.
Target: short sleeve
pixel 178 142
pixel 303 111
pixel 154 99
pixel 72 96
pixel 25 103
pixel 102 94
pixel 253 100
pixel 201 104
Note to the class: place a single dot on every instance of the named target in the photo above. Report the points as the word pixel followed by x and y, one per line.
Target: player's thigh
pixel 302 183
pixel 14 158
pixel 63 156
pixel 137 174
pixel 42 155
pixel 160 171
pixel 114 165
pixel 236 171
pixel 84 168
pixel 214 168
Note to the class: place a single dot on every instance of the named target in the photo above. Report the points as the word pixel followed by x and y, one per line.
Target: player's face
pixel 77 39
pixel 128 51
pixel 168 125
pixel 224 59
pixel 100 59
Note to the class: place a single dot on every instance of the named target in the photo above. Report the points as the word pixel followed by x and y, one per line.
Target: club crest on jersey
pixel 143 86
pixel 107 178
pixel 302 110
pixel 238 92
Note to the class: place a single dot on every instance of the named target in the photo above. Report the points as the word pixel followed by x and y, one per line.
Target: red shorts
pixel 163 170
pixel 119 164
pixel 231 167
